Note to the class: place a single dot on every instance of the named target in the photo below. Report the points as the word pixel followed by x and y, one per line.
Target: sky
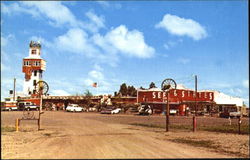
pixel 132 42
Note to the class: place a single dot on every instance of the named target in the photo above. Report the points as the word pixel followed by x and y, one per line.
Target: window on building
pixel 33 51
pixel 38 63
pixel 35 73
pixel 34 82
pixel 34 91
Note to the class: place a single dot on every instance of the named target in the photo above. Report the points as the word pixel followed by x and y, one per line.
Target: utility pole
pixel 14 90
pixel 195 112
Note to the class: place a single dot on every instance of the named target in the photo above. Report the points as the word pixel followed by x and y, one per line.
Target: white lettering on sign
pixel 154 96
pixel 159 94
pixel 183 93
pixel 164 94
pixel 175 93
pixel 210 96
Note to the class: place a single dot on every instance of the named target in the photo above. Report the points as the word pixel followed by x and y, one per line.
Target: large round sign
pixel 42 87
pixel 168 84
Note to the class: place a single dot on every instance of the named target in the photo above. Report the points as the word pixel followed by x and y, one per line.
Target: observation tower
pixel 33 67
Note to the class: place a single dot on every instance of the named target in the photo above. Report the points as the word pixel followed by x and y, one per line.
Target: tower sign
pixel 33 67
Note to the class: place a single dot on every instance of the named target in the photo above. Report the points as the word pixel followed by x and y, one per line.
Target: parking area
pixel 95 135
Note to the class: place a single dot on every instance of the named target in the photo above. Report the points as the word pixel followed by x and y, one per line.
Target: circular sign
pixel 42 87
pixel 168 84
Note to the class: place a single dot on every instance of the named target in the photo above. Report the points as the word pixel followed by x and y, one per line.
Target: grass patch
pixel 196 143
pixel 7 129
pixel 147 125
pixel 244 129
pixel 222 129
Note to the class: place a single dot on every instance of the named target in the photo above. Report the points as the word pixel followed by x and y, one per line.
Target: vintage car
pixel 115 111
pixel 145 110
pixel 27 106
pixel 107 110
pixel 74 108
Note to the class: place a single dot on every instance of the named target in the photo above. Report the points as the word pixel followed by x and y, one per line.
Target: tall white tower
pixel 33 67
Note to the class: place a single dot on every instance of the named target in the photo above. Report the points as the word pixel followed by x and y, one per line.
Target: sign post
pixel 42 89
pixel 167 113
pixel 166 85
pixel 195 112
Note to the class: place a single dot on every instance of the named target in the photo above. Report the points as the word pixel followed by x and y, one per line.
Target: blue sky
pixel 111 42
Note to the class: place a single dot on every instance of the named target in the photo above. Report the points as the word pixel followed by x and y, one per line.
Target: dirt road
pixel 79 135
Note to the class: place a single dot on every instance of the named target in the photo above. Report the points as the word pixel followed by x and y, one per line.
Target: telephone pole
pixel 14 90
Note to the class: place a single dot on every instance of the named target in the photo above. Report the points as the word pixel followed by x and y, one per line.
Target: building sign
pixel 175 95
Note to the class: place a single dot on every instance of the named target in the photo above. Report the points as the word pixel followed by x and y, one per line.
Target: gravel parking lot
pixel 94 135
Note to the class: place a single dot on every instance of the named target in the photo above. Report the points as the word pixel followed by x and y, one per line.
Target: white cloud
pixel 96 22
pixel 130 43
pixel 245 83
pixel 183 60
pixel 59 92
pixel 106 5
pixel 16 8
pixel 98 67
pixel 105 49
pixel 102 49
pixel 181 26
pixel 96 75
pixel 54 10
pixel 58 14
pixel 76 41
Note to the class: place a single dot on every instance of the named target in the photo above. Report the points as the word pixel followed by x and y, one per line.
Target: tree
pixel 87 93
pixel 132 91
pixel 142 88
pixel 123 89
pixel 152 85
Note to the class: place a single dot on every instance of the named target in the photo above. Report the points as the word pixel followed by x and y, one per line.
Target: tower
pixel 33 67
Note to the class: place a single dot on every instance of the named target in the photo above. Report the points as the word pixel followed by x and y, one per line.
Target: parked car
pixel 234 114
pixel 92 109
pixel 145 110
pixel 115 111
pixel 74 108
pixel 107 110
pixel 230 114
pixel 172 111
pixel 27 106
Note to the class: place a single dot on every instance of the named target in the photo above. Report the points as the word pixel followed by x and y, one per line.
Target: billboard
pixel 175 95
